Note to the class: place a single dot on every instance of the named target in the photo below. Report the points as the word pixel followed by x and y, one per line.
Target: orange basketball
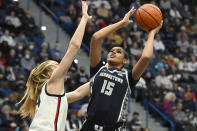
pixel 148 17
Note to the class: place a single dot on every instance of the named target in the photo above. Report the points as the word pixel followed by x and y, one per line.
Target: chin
pixel 111 62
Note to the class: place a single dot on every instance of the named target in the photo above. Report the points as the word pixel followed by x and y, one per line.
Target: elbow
pixel 147 57
pixel 95 36
pixel 75 45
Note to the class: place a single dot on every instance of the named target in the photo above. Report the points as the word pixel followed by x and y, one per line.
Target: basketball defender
pixel 45 98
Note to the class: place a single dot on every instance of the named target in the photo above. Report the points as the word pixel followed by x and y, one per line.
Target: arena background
pixel 32 31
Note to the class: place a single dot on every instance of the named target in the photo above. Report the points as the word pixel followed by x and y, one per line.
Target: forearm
pixel 79 93
pixel 101 34
pixel 76 40
pixel 148 49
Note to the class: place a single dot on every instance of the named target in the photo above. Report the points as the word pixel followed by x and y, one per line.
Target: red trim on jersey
pixel 57 113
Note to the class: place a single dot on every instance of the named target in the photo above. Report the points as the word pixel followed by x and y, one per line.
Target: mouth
pixel 112 56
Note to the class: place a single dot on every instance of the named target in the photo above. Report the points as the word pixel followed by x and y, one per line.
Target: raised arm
pixel 79 93
pixel 147 54
pixel 96 40
pixel 56 82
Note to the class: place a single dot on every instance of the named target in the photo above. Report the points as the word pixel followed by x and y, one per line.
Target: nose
pixel 114 52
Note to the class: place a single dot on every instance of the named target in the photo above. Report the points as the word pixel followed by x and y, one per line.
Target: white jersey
pixel 51 112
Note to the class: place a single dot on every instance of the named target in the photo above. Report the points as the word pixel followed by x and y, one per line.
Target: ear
pixel 49 73
pixel 125 61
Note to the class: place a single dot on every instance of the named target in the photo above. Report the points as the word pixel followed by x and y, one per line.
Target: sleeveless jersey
pixel 51 112
pixel 110 91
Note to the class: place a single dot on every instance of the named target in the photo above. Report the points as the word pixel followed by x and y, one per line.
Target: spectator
pixel 188 27
pixel 73 124
pixel 178 91
pixel 171 61
pixel 135 50
pixel 185 12
pixel 188 104
pixel 82 77
pixel 158 45
pixel 57 49
pixel 194 47
pixel 116 38
pixel 33 32
pixel 21 39
pixel 7 120
pixel 163 79
pixel 180 117
pixel 28 19
pixel 174 76
pixel 148 77
pixel 192 65
pixel 20 48
pixel 71 12
pixel 102 11
pixel 177 3
pixel 3 82
pixel 182 40
pixel 161 65
pixel 165 4
pixel 7 25
pixel 192 122
pixel 8 38
pixel 183 65
pixel 27 62
pixel 168 103
pixel 188 91
pixel 20 83
pixel 2 60
pixel 135 124
pixel 9 74
pixel 14 19
pixel 174 13
pixel 12 59
pixel 10 101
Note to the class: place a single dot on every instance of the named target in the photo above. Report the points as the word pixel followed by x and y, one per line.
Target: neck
pixel 115 66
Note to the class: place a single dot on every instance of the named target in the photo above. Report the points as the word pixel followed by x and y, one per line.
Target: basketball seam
pixel 156 9
pixel 157 15
pixel 151 16
pixel 143 21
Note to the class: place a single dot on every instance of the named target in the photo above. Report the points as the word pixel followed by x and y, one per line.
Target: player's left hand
pixel 127 16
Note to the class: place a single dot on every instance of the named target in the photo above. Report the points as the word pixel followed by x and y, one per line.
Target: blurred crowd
pixel 169 82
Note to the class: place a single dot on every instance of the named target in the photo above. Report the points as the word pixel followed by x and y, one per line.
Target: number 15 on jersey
pixel 107 87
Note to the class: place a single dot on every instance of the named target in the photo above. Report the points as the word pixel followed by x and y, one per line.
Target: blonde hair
pixel 170 96
pixel 36 80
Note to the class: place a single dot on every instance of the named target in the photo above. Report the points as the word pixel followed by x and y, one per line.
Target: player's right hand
pixel 85 10
pixel 156 30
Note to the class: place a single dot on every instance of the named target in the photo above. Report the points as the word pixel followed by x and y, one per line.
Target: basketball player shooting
pixel 110 87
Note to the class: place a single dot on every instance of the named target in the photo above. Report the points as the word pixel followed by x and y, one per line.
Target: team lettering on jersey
pixel 117 79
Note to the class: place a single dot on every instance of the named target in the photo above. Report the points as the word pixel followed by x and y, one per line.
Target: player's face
pixel 116 56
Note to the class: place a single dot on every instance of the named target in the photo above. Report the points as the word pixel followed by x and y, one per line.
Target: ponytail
pixel 36 81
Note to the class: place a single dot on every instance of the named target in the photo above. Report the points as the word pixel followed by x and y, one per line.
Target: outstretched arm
pixel 56 82
pixel 79 93
pixel 96 40
pixel 147 54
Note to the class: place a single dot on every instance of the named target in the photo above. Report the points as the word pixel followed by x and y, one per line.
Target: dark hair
pixel 135 113
pixel 126 56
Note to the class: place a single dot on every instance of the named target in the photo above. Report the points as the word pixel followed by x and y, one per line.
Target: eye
pixel 119 51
